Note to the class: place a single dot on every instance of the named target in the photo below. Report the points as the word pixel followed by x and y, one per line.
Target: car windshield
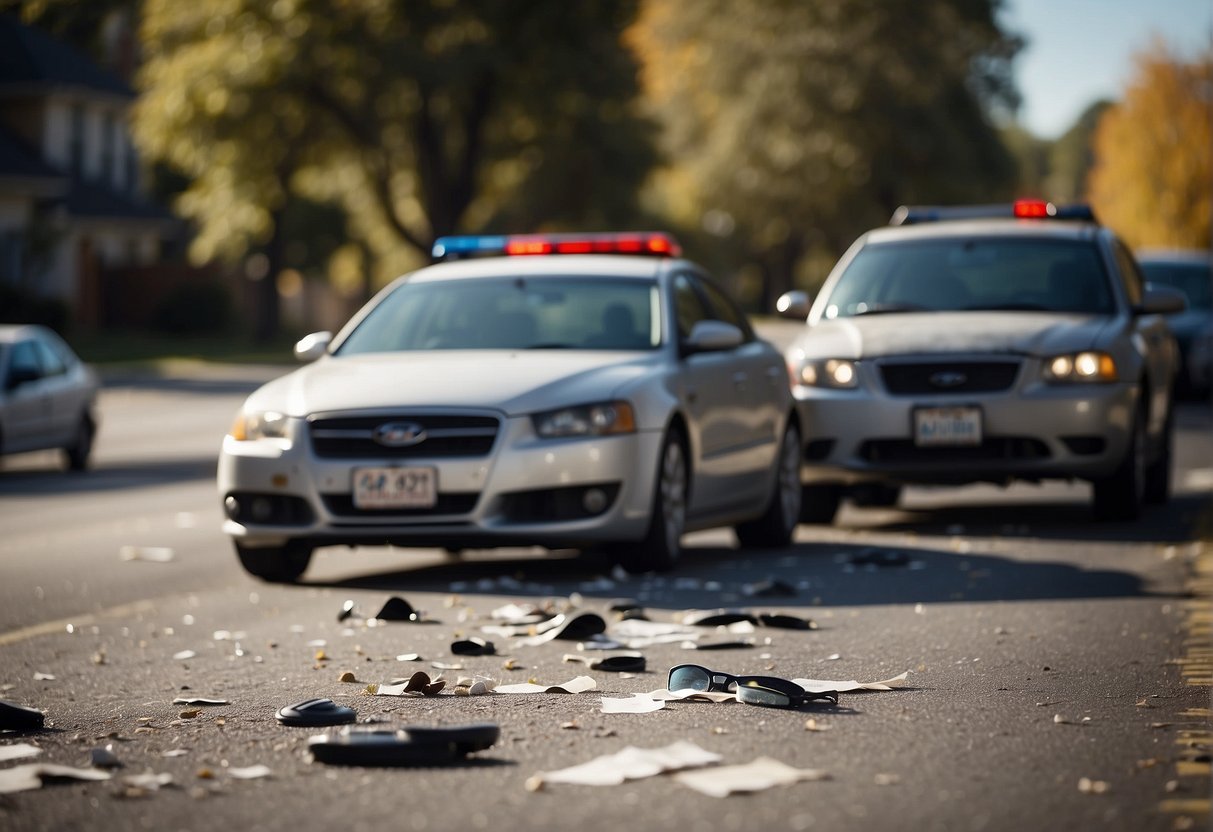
pixel 588 313
pixel 1194 279
pixel 968 273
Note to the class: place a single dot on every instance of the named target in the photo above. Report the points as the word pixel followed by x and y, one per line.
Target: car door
pixel 711 386
pixel 26 407
pixel 63 395
pixel 1152 331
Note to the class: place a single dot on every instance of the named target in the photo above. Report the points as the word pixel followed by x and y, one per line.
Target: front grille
pixel 352 437
pixel 1013 448
pixel 342 505
pixel 948 377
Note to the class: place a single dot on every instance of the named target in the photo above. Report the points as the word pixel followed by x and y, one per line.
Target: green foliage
pixel 419 118
pixel 807 123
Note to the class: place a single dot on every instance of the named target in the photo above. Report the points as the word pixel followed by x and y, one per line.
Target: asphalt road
pixel 1041 650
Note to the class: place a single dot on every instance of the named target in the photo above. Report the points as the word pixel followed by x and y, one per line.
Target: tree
pixel 801 124
pixel 1071 157
pixel 1153 176
pixel 420 118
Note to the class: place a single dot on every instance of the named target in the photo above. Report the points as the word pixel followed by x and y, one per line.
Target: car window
pixel 688 305
pixel 52 364
pixel 24 360
pixel 514 313
pixel 1193 279
pixel 967 273
pixel 725 310
pixel 1129 275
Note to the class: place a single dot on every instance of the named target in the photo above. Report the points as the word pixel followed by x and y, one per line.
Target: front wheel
pixel 276 564
pixel 777 525
pixel 1119 496
pixel 662 545
pixel 81 449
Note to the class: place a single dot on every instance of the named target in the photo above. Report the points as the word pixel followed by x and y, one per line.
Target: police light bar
pixel 1020 209
pixel 648 243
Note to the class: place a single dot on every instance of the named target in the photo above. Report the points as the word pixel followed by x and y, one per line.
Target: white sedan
pixel 566 392
pixel 48 396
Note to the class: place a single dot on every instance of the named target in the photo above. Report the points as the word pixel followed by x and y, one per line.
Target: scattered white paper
pixel 18 751
pixel 27 777
pixel 820 686
pixel 150 554
pixel 637 703
pixel 692 695
pixel 149 780
pixel 250 772
pixel 580 684
pixel 184 654
pixel 756 776
pixel 174 752
pixel 633 764
pixel 39 676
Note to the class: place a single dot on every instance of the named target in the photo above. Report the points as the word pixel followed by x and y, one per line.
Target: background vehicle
pixel 1192 273
pixel 592 391
pixel 986 343
pixel 48 395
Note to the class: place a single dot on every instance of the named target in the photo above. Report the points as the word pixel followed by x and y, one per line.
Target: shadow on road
pixel 819 574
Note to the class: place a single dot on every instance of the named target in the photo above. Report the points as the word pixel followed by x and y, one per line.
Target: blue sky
pixel 1082 50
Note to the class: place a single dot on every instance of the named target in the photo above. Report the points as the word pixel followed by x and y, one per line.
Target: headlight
pixel 587 420
pixel 837 373
pixel 1077 368
pixel 266 424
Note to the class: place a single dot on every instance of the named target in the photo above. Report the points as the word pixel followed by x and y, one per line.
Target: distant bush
pixel 19 308
pixel 194 308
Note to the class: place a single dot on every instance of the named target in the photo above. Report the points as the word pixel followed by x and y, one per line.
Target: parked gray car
pixel 1190 271
pixel 985 344
pixel 47 395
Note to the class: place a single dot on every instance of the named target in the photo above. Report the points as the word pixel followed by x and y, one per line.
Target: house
pixel 72 204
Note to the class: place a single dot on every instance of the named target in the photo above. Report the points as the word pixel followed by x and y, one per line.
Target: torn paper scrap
pixel 637 703
pixel 692 695
pixel 756 776
pixel 18 751
pixel 580 684
pixel 31 776
pixel 250 772
pixel 820 686
pixel 633 763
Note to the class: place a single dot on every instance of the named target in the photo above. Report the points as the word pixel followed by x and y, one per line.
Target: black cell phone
pixel 409 746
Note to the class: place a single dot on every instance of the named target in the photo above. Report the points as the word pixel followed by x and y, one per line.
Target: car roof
pixel 9 333
pixel 563 265
pixel 996 227
pixel 1178 256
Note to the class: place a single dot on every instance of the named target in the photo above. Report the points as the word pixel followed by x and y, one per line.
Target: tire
pixel 662 544
pixel 777 525
pixel 81 449
pixel 276 564
pixel 1158 472
pixel 1120 495
pixel 819 503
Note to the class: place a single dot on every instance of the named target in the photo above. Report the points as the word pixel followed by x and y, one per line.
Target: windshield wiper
pixel 889 308
pixel 551 345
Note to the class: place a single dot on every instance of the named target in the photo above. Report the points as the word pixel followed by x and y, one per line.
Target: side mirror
pixel 1161 300
pixel 713 336
pixel 311 347
pixel 794 305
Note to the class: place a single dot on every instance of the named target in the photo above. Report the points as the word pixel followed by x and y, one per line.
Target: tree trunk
pixel 267 322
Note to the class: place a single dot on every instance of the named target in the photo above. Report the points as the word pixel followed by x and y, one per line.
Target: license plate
pixel 395 487
pixel 941 426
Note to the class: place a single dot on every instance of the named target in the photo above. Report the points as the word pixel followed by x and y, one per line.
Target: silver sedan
pixel 525 393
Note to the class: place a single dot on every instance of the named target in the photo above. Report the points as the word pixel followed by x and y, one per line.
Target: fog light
pixel 261 509
pixel 232 506
pixel 594 500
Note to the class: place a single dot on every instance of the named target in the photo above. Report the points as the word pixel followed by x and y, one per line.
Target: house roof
pixel 32 60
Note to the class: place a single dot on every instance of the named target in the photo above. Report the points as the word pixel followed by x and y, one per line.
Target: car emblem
pixel 399 434
pixel 948 379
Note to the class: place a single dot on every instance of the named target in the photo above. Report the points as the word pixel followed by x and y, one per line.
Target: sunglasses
pixel 767 691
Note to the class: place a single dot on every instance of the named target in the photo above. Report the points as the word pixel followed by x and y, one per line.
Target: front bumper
pixel 1030 431
pixel 525 491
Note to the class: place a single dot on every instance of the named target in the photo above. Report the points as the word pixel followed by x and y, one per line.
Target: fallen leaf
pixel 190 714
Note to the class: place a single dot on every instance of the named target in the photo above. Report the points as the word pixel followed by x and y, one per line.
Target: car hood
pixel 1019 333
pixel 508 380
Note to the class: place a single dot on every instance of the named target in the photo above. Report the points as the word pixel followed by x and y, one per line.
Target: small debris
pixel 398 609
pixel 409 657
pixel 1088 786
pixel 770 588
pixel 250 772
pixel 104 758
pixel 148 554
pixel 570 726
pixel 39 676
pixel 579 684
pixel 198 700
pixel 814 725
pixel 18 751
pixel 33 775
pixel 886 779
pixel 473 646
pixel 192 713
pixel 763 773
pixel 184 655
pixel 347 677
pixel 148 781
